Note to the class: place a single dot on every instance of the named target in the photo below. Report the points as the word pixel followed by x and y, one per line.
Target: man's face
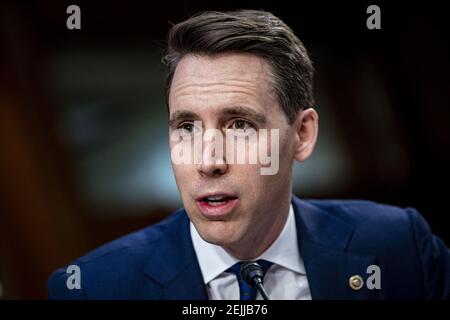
pixel 231 205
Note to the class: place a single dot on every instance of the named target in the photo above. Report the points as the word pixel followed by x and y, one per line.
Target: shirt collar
pixel 284 251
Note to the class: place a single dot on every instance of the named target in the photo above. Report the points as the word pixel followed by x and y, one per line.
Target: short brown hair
pixel 248 31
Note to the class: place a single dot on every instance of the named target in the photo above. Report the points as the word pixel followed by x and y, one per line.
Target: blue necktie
pixel 246 292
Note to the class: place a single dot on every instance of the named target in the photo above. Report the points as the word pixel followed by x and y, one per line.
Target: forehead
pixel 221 79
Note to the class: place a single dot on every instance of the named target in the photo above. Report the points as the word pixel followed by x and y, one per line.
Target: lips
pixel 216 205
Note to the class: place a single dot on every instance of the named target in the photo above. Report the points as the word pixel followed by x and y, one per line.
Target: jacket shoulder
pixel 378 229
pixel 113 270
pixel 401 241
pixel 364 213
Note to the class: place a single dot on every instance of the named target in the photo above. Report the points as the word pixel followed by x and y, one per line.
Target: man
pixel 245 73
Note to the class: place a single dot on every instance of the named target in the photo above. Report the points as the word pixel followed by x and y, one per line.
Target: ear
pixel 307 129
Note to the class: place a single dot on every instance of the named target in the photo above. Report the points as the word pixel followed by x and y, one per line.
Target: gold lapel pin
pixel 356 282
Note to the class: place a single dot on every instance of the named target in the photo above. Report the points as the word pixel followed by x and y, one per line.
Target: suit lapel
pixel 174 265
pixel 323 242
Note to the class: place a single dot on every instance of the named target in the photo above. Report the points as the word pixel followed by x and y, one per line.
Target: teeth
pixel 215 198
pixel 216 203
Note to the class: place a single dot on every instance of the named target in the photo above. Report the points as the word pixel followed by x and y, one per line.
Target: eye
pixel 241 125
pixel 187 128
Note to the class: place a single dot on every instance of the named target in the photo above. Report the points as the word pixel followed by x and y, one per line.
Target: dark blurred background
pixel 84 152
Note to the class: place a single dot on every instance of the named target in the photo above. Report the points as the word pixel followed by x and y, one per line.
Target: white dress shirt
pixel 285 279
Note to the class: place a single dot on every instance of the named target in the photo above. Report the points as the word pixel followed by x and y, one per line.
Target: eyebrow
pixel 240 111
pixel 181 115
pixel 236 111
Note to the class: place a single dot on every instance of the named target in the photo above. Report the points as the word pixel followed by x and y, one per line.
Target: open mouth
pixel 216 200
pixel 217 204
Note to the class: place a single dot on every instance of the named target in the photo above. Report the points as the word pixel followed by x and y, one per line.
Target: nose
pixel 213 163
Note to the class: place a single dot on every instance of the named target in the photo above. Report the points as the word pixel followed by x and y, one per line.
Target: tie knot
pixel 248 292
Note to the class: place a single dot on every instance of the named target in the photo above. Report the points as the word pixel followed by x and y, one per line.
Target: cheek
pixel 254 185
pixel 286 145
pixel 280 150
pixel 183 175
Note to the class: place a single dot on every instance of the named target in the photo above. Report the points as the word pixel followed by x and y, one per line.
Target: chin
pixel 217 237
pixel 218 241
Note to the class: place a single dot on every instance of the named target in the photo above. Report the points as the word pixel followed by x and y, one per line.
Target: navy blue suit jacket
pixel 337 239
